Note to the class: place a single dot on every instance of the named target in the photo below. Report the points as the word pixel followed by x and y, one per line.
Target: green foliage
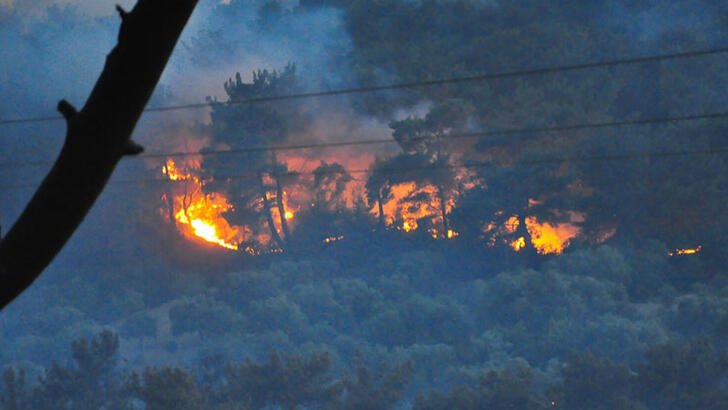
pixel 285 381
pixel 90 384
pixel 167 388
pixel 14 391
pixel 595 383
pixel 203 315
pixel 372 390
pixel 509 389
pixel 684 376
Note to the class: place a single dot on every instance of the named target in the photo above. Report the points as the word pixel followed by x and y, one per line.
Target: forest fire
pixel 199 215
pixel 548 238
pixel 411 204
pixel 408 207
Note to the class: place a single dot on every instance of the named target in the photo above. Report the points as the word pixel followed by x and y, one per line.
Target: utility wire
pixel 417 84
pixel 254 174
pixel 478 134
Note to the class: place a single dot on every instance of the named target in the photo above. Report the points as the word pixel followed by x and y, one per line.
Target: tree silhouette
pixel 254 125
pixel 98 137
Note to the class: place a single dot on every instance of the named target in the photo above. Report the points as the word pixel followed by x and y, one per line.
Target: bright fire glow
pixel 548 238
pixel 518 244
pixel 412 204
pixel 171 171
pixel 686 251
pixel 204 217
pixel 199 215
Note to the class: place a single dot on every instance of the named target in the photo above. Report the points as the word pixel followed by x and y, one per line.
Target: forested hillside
pixel 545 228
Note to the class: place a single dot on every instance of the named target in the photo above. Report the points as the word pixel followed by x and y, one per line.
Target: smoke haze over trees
pixel 439 270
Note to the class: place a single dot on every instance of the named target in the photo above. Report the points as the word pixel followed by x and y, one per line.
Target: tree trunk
pixel 380 208
pixel 443 210
pixel 97 138
pixel 281 208
pixel 268 217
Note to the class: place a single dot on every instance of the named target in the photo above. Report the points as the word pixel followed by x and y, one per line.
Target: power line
pixel 254 174
pixel 418 84
pixel 478 134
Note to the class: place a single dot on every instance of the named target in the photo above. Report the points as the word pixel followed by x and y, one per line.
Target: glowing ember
pixel 518 244
pixel 512 224
pixel 450 234
pixel 289 215
pixel 548 238
pixel 686 251
pixel 331 239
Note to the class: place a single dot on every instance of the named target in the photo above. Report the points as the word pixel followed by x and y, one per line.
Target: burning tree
pixel 258 194
pixel 420 183
pixel 329 185
pixel 524 202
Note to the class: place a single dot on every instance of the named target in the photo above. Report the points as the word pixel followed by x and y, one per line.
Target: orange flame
pixel 518 244
pixel 545 237
pixel 512 224
pixel 548 238
pixel 411 204
pixel 199 215
pixel 686 251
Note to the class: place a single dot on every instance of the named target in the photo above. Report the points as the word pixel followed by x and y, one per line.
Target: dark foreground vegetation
pixel 416 328
pixel 674 376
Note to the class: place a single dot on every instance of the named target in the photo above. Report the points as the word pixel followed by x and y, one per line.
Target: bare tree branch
pixel 97 138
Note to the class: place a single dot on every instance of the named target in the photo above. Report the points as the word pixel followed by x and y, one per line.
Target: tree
pixel 90 384
pixel 98 137
pixel 426 162
pixel 167 388
pixel 14 392
pixel 373 390
pixel 595 383
pixel 683 376
pixel 379 188
pixel 329 184
pixel 508 389
pixel 424 142
pixel 205 316
pixel 285 381
pixel 257 126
